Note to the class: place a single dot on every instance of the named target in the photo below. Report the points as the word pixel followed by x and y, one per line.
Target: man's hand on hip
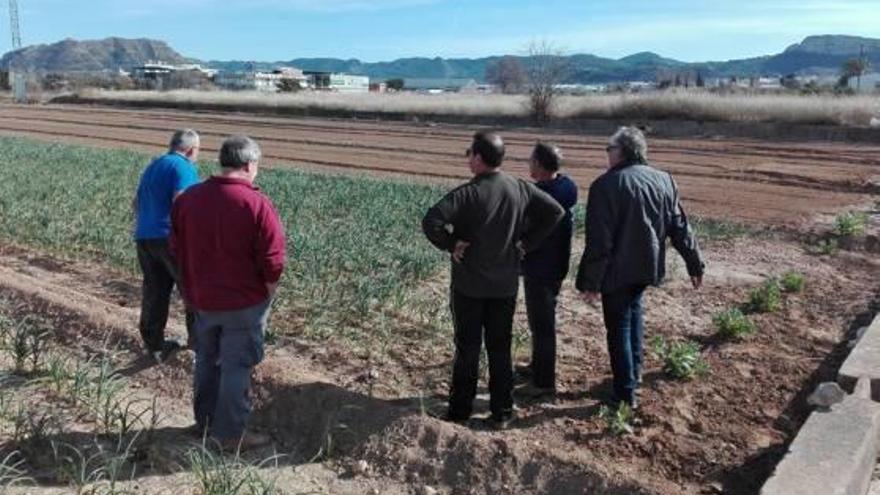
pixel 459 250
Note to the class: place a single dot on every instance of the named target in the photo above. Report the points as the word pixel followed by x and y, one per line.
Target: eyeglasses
pixel 610 147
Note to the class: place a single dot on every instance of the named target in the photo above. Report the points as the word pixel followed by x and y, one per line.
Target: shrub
pixel 767 298
pixel 681 360
pixel 733 324
pixel 793 282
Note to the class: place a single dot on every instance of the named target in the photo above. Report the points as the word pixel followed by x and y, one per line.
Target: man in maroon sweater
pixel 229 245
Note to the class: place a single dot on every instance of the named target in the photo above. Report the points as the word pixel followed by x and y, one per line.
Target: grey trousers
pixel 229 345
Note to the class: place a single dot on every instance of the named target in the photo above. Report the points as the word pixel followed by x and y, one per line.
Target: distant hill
pixel 818 55
pixel 74 56
pixel 814 55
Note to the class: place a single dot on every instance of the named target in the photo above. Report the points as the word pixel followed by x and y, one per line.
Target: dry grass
pixel 445 104
pixel 686 105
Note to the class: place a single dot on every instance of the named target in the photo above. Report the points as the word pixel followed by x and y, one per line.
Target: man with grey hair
pixel 631 210
pixel 164 179
pixel 230 248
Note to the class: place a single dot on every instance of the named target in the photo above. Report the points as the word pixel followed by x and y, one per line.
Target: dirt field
pixel 347 423
pixel 751 181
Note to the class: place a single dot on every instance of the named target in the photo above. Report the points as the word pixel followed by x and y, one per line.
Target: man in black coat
pixel 631 210
pixel 487 224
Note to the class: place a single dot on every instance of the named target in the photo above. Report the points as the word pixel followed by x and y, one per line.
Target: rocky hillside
pixel 108 54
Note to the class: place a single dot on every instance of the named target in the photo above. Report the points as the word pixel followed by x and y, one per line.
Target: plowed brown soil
pixel 720 433
pixel 737 179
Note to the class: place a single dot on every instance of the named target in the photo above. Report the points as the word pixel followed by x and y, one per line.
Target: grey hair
pixel 238 151
pixel 183 140
pixel 632 144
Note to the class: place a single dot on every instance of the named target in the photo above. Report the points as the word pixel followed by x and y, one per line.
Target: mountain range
pixel 815 55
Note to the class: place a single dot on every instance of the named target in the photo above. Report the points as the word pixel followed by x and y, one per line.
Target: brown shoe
pixel 247 441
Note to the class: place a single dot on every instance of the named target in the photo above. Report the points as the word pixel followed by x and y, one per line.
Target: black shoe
pixel 522 374
pixel 616 401
pixel 499 422
pixel 450 418
pixel 532 392
pixel 169 347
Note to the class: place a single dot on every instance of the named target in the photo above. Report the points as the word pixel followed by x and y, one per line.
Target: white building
pixel 259 81
pixel 157 70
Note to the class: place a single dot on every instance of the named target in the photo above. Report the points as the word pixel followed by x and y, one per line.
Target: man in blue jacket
pixel 631 210
pixel 545 268
pixel 162 182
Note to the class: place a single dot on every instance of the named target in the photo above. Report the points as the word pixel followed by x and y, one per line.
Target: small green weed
pixel 618 421
pixel 733 324
pixel 718 230
pixel 793 282
pixel 850 223
pixel 12 472
pixel 827 247
pixel 24 342
pixel 681 360
pixel 221 475
pixel 767 298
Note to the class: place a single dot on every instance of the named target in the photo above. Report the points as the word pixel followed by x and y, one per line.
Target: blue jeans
pixel 229 345
pixel 622 311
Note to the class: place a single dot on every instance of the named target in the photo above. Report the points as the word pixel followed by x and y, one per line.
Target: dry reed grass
pixel 681 105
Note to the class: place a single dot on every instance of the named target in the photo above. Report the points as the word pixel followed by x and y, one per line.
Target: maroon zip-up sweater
pixel 228 242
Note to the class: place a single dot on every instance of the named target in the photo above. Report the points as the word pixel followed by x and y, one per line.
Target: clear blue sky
pixel 378 30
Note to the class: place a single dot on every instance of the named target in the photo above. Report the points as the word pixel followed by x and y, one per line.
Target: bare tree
pixel 506 73
pixel 547 68
pixel 288 85
pixel 186 79
pixel 854 67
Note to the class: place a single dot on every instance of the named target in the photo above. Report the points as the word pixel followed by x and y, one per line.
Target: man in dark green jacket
pixel 483 225
pixel 631 210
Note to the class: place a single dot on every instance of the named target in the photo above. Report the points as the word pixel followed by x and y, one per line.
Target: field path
pixel 782 183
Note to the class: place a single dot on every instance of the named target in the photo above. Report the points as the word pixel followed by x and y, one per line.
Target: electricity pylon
pixel 19 84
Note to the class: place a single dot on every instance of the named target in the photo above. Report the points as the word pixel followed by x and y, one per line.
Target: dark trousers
pixel 541 298
pixel 472 317
pixel 160 275
pixel 230 344
pixel 622 311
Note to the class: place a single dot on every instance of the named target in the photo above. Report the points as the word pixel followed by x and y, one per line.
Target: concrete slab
pixel 833 454
pixel 863 362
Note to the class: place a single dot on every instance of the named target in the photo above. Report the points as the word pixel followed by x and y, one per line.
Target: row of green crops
pixel 354 243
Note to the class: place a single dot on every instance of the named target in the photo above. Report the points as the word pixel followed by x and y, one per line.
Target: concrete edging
pixel 835 451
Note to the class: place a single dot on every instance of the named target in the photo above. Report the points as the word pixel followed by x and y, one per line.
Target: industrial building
pixel 259 81
pixel 156 71
pixel 342 83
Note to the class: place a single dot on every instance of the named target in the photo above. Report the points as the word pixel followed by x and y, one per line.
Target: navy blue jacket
pixel 550 261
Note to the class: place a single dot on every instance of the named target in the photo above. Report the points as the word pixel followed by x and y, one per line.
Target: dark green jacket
pixel 491 212
pixel 631 210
